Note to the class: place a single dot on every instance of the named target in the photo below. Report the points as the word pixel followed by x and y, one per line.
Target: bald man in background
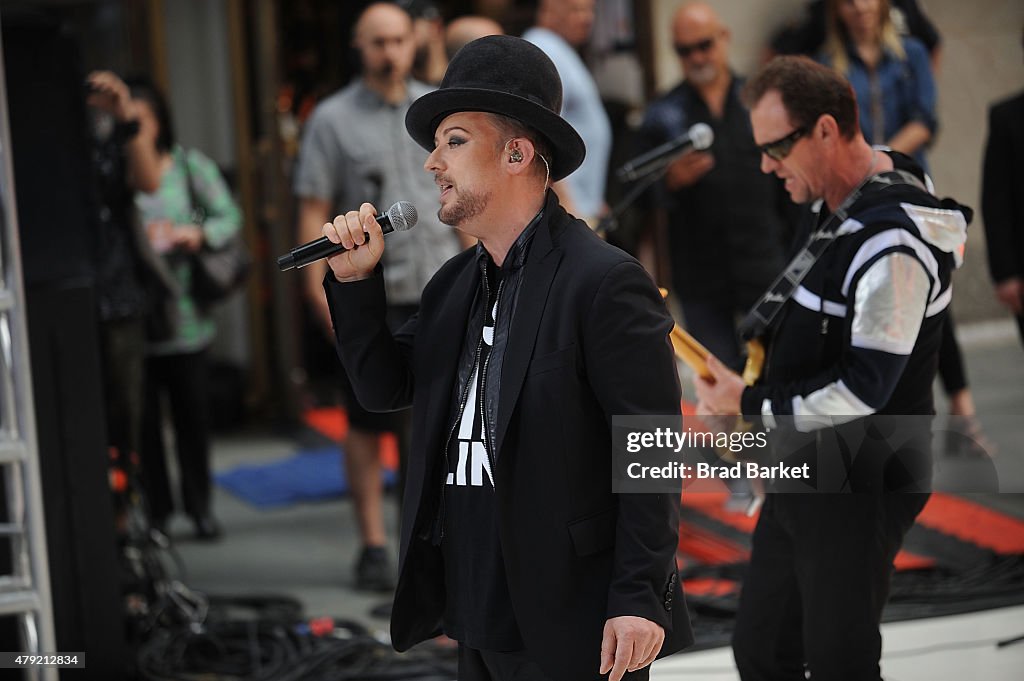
pixel 726 219
pixel 355 149
pixel 467 29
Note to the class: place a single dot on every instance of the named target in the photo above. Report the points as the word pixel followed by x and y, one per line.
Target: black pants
pixel 183 378
pixel 951 361
pixel 817 582
pixel 487 665
pixel 123 346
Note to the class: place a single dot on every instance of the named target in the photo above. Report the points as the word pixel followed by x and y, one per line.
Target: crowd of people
pixel 499 338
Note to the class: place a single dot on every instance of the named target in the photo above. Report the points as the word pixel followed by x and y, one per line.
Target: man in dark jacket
pixel 726 220
pixel 855 327
pixel 1002 203
pixel 524 348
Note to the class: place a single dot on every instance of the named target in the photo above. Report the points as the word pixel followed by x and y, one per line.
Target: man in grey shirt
pixel 562 27
pixel 355 149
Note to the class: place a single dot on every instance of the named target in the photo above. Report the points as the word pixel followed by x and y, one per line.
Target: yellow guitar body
pixel 696 355
pixel 688 349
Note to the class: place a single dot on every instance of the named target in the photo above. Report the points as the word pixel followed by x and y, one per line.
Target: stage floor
pixel 937 649
pixel 306 551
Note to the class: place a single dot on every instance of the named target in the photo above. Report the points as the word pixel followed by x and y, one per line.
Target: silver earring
pixel 516 156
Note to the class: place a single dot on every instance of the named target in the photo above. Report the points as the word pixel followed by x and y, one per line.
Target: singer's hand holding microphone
pixel 354 242
pixel 363 240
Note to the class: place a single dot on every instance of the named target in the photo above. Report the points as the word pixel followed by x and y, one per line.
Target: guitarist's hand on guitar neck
pixel 719 394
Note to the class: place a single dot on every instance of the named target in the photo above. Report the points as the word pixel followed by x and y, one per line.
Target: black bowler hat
pixel 503 75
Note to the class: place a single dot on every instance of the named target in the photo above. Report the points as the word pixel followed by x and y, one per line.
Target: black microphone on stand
pixel 399 218
pixel 699 137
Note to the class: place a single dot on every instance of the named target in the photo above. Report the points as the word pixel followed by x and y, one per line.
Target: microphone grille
pixel 702 136
pixel 403 216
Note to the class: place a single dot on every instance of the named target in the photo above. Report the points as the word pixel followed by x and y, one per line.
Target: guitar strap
pixel 758 321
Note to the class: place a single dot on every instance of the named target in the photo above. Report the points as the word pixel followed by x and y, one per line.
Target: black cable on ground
pixel 255 638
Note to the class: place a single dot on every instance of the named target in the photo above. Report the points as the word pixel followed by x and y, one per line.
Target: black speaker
pixel 56 196
pixel 85 575
pixel 56 208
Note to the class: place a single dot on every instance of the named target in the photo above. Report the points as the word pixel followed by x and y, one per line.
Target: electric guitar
pixel 688 349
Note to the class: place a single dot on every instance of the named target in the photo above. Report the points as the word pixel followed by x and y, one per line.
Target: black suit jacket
pixel 1002 191
pixel 589 340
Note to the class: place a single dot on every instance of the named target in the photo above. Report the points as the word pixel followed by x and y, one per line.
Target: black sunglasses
pixel 684 50
pixel 780 148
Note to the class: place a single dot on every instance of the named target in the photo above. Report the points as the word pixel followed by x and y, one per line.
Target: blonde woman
pixel 890 74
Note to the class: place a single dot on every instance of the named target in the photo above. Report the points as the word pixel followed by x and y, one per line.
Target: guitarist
pixel 855 325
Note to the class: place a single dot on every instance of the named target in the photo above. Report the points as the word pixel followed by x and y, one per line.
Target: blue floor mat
pixel 310 475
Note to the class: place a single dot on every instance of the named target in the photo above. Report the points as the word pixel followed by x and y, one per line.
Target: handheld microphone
pixel 699 137
pixel 400 217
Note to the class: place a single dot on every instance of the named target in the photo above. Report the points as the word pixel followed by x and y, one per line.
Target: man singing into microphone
pixel 524 347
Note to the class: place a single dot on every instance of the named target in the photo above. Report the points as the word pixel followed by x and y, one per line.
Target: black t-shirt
pixel 478 611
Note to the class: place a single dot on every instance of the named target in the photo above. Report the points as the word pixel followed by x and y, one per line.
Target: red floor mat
pixel 971 522
pixel 706 547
